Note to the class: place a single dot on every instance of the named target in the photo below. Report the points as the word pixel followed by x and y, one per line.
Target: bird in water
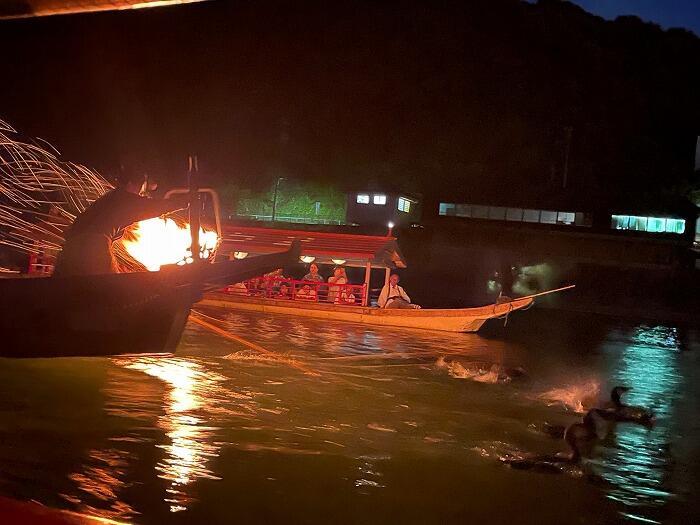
pixel 626 413
pixel 576 435
pixel 553 431
pixel 616 411
pixel 480 372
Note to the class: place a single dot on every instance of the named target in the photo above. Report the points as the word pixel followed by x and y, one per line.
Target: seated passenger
pixel 347 298
pixel 306 293
pixel 271 282
pixel 313 274
pixel 283 292
pixel 338 278
pixel 256 287
pixel 394 296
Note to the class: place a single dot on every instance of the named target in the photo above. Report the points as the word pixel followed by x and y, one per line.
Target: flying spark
pixel 41 195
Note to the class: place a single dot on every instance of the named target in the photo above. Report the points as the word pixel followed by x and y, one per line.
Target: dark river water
pixel 339 423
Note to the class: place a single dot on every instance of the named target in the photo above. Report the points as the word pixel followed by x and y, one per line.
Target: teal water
pixel 342 423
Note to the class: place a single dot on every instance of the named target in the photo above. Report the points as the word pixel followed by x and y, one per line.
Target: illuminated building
pixel 379 208
pixel 661 222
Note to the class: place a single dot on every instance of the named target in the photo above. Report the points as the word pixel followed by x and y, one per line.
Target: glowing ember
pixel 158 242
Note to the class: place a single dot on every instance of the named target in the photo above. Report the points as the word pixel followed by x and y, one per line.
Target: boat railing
pixel 282 288
pixel 41 264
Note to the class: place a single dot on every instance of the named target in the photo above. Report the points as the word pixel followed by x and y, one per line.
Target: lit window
pixel 362 198
pixel 638 224
pixel 514 214
pixel 647 224
pixel 531 215
pixel 548 217
pixel 380 199
pixel 675 226
pixel 447 208
pixel 655 224
pixel 620 222
pixel 566 217
pixel 404 205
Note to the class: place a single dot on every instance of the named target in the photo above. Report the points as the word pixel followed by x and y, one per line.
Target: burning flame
pixel 158 242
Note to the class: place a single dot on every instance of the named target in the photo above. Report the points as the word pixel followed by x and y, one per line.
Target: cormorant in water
pixel 615 411
pixel 553 431
pixel 575 435
pixel 621 412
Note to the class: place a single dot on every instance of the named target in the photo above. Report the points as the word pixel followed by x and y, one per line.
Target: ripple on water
pixel 638 463
pixel 385 421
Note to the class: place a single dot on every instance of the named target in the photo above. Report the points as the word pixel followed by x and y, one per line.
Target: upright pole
pixel 368 272
pixel 274 198
pixel 194 208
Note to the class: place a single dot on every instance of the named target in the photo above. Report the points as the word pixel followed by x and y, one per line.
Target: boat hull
pixel 107 315
pixel 100 315
pixel 445 320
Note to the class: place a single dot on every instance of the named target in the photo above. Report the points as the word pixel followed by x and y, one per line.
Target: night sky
pixel 474 98
pixel 666 13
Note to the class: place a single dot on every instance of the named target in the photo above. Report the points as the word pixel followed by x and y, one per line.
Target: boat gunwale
pixel 485 311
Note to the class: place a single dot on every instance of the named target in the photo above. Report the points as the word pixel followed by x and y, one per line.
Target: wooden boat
pixel 361 251
pixel 141 312
pixel 446 320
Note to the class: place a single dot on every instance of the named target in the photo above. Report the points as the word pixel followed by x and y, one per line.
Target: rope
pixel 510 309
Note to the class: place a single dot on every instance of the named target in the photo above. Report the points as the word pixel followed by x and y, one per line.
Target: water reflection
pixel 191 445
pixel 638 465
pixel 386 425
pixel 101 481
pixel 369 475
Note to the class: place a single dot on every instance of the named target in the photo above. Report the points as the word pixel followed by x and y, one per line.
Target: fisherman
pixel 394 296
pixel 88 246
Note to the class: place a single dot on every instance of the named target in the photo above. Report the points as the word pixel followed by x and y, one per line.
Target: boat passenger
pixel 88 246
pixel 255 287
pixel 271 282
pixel 313 274
pixel 306 293
pixel 338 279
pixel 283 292
pixel 347 298
pixel 394 296
pixel 275 274
pixel 344 295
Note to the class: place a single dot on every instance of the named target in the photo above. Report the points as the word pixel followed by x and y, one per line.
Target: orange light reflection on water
pixel 101 480
pixel 191 446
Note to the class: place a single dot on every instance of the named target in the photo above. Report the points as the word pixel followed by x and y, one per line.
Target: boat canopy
pixel 324 247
